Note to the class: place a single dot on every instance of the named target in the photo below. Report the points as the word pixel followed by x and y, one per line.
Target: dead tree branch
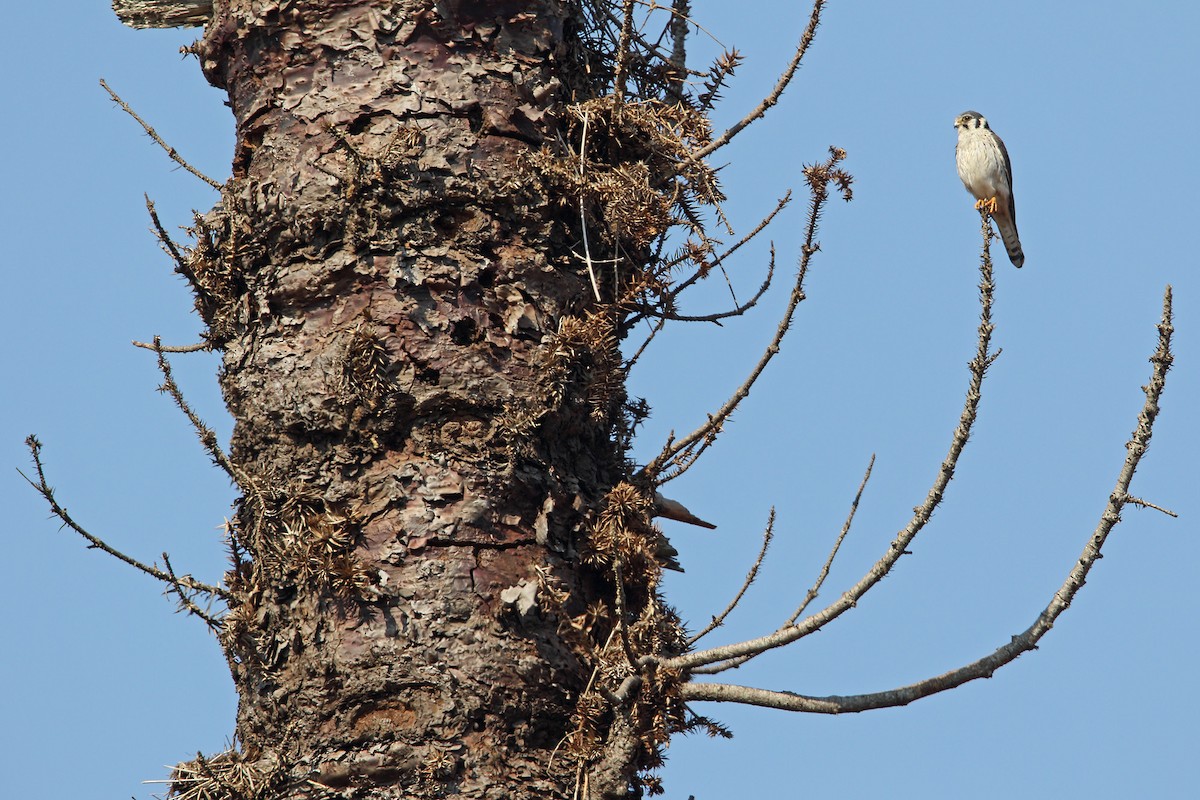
pixel 208 437
pixel 716 317
pixel 94 542
pixel 178 159
pixel 677 454
pixel 837 545
pixel 183 348
pixel 163 13
pixel 921 515
pixel 784 79
pixel 812 594
pixel 186 603
pixel 719 619
pixel 181 265
pixel 1023 642
pixel 700 273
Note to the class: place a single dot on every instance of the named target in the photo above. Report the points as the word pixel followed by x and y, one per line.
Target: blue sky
pixel 105 684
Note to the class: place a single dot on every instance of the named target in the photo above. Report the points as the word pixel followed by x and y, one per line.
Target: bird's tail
pixel 1012 242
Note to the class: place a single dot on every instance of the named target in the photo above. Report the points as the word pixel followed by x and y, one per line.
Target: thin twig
pixel 1137 501
pixel 181 264
pixel 208 438
pixel 734 663
pixel 816 587
pixel 784 79
pixel 763 223
pixel 662 312
pixel 47 492
pixel 623 51
pixel 178 159
pixel 1023 642
pixel 587 250
pixel 819 177
pixel 716 317
pixel 921 515
pixel 719 619
pixel 186 602
pixel 658 326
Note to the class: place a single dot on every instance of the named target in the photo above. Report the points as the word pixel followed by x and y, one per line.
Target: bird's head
pixel 970 120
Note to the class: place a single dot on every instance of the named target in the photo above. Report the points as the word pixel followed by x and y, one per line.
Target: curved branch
pixel 706 268
pixel 819 176
pixel 717 316
pixel 814 591
pixel 208 438
pixel 47 492
pixel 1023 642
pixel 805 40
pixel 719 619
pixel 899 545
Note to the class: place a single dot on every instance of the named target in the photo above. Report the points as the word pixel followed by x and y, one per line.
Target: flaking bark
pixel 386 282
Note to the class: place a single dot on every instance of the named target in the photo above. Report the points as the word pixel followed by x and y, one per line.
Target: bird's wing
pixel 1008 175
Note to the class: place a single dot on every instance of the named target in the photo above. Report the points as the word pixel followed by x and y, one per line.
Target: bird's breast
pixel 981 166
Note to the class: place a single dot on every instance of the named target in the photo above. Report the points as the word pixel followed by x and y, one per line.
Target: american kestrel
pixel 986 171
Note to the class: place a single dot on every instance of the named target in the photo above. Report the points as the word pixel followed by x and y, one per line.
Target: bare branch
pixel 658 326
pixel 700 273
pixel 208 437
pixel 1023 642
pixel 784 79
pixel 163 13
pixel 734 663
pixel 47 492
pixel 1137 501
pixel 719 619
pixel 623 50
pixel 736 311
pixel 921 515
pixel 816 587
pixel 181 264
pixel 178 159
pixel 184 348
pixel 819 177
pixel 185 602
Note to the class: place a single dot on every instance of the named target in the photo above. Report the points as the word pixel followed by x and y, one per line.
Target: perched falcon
pixel 986 171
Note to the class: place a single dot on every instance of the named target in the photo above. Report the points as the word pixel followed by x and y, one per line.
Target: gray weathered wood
pixel 163 13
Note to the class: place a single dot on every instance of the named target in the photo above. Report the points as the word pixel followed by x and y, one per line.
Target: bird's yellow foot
pixel 989 204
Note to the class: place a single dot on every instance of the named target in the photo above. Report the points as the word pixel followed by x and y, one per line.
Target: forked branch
pixel 1023 642
pixel 921 515
pixel 676 455
pixel 785 78
pixel 47 492
pixel 719 619
pixel 814 591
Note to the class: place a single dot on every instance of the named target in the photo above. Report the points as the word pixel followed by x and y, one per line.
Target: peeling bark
pixel 387 280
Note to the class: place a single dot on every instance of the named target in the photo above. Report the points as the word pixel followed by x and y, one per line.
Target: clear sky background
pixel 103 684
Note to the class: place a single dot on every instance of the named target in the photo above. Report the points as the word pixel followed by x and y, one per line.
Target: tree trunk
pixel 428 421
